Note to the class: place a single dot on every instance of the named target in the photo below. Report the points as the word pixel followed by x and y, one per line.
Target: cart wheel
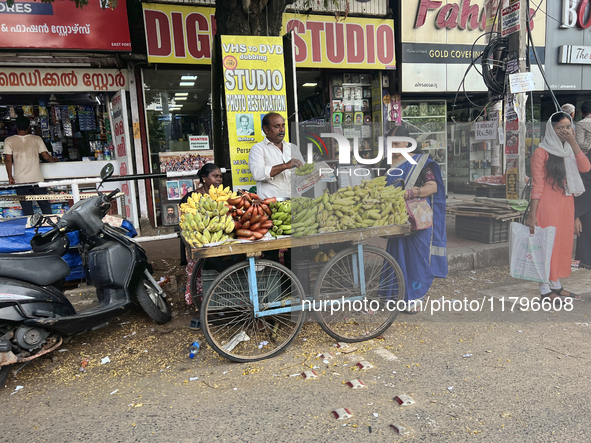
pixel 227 313
pixel 358 317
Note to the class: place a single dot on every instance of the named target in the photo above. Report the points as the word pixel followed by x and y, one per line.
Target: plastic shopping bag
pixel 531 253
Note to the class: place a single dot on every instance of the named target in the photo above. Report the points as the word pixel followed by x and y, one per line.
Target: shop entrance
pixel 178 113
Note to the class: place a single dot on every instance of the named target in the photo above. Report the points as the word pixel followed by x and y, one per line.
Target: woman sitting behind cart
pixel 209 175
pixel 422 256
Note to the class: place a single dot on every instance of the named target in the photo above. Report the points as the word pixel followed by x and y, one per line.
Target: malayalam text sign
pixel 254 82
pixel 485 130
pixel 60 25
pixel 121 140
pixel 510 19
pixel 62 80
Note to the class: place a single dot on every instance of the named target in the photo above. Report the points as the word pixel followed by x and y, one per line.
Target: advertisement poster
pixel 121 139
pixel 254 83
pixel 60 25
pixel 198 142
pixel 182 161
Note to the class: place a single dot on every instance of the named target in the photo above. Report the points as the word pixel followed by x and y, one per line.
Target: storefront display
pixel 356 110
pixel 426 122
pixel 179 127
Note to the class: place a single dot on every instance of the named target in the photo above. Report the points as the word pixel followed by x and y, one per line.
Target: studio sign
pixel 573 13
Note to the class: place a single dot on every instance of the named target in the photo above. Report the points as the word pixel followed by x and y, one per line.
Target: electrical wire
pixel 493 73
pixel 462 84
pixel 545 13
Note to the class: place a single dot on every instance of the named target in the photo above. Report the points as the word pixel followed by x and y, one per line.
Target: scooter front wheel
pixel 152 302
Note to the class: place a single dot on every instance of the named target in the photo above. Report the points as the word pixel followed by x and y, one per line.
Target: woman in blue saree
pixel 422 256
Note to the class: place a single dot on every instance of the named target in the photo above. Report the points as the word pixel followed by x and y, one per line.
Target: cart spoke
pixel 229 295
pixel 340 281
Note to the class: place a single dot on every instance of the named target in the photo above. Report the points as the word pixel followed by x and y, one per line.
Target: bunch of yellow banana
pixel 371 203
pixel 221 194
pixel 205 221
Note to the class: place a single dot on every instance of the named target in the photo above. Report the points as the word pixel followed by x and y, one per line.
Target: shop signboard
pixel 198 142
pixel 353 43
pixel 183 34
pixel 252 89
pixel 438 43
pixel 62 80
pixel 485 130
pixel 574 55
pixel 61 25
pixel 565 67
pixel 178 34
pixel 510 20
pixel 121 139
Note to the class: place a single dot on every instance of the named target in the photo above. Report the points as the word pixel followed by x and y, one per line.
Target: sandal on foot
pixel 560 291
pixel 551 295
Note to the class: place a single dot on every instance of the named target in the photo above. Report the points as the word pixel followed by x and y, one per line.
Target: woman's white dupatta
pixel 553 145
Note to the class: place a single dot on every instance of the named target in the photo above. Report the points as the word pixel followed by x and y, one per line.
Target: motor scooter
pixel 35 314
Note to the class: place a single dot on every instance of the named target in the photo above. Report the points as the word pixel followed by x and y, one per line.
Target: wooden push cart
pixel 255 308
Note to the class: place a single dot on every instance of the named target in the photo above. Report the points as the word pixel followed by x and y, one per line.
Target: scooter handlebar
pixel 112 194
pixel 49 233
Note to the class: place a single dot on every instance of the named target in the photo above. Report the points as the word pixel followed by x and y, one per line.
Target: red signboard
pixel 60 25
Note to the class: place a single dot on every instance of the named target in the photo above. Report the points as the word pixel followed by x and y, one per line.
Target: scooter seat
pixel 39 269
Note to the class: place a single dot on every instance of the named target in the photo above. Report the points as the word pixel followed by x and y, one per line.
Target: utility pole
pixel 515 104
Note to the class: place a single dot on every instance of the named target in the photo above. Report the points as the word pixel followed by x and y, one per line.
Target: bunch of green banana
pixel 207 222
pixel 370 204
pixel 305 169
pixel 281 216
pixel 304 213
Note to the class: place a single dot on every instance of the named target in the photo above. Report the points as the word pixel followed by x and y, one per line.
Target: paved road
pixel 526 380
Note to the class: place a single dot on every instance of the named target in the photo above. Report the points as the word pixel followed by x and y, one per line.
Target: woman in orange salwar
pixel 555 168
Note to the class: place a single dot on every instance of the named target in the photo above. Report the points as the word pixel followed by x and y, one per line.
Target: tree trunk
pixel 250 17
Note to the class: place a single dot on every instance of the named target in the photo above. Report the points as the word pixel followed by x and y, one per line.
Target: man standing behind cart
pixel 23 151
pixel 271 160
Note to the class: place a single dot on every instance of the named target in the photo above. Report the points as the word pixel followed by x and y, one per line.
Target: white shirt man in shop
pixel 23 151
pixel 271 160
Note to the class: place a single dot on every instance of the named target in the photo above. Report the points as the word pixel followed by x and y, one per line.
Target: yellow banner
pixel 254 82
pixel 183 34
pixel 352 43
pixel 178 34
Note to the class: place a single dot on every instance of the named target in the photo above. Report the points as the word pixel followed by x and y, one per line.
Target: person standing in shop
pixel 22 151
pixel 272 160
pixel 570 110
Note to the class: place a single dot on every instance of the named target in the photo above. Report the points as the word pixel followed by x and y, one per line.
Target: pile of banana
pixel 305 169
pixel 221 194
pixel 370 204
pixel 324 256
pixel 204 220
pixel 281 216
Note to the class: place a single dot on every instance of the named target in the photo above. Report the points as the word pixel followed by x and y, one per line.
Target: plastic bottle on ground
pixel 194 349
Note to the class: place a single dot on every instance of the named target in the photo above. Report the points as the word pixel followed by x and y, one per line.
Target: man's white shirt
pixel 263 156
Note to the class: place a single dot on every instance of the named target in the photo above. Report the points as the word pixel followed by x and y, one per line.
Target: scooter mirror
pixel 36 219
pixel 107 171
